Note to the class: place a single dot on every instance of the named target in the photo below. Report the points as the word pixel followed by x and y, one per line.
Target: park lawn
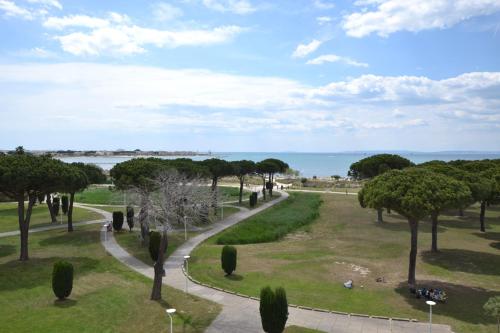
pixel 99 195
pixel 106 297
pixel 112 208
pixel 312 263
pixel 131 242
pixel 274 223
pixel 40 216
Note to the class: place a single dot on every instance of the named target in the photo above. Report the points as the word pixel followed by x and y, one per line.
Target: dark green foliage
pixel 253 199
pixel 228 259
pixel 94 173
pixel 56 205
pixel 375 165
pixel 117 221
pixel 130 217
pixel 298 210
pixel 269 186
pixel 41 198
pixel 273 309
pixel 64 204
pixel 62 279
pixel 154 245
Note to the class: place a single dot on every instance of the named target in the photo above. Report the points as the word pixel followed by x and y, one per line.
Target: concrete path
pixel 241 314
pixel 106 217
pixel 329 192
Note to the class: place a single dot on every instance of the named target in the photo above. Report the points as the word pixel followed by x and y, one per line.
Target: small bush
pixel 64 204
pixel 130 217
pixel 62 279
pixel 154 245
pixel 55 206
pixel 273 310
pixel 253 199
pixel 228 259
pixel 117 221
pixel 269 186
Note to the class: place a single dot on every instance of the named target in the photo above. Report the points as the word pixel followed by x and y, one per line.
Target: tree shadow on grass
pixel 424 226
pixel 75 238
pixel 38 271
pixel 7 250
pixel 234 277
pixel 65 303
pixel 489 235
pixel 464 303
pixel 495 245
pixel 459 260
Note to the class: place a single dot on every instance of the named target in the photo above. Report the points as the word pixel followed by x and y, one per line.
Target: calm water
pixel 309 164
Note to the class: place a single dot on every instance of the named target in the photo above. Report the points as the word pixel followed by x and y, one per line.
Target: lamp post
pixel 186 265
pixel 430 304
pixel 185 228
pixel 170 312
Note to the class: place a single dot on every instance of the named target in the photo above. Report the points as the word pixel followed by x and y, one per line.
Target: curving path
pixel 241 314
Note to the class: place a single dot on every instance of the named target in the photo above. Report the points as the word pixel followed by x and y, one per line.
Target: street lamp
pixel 185 228
pixel 170 312
pixel 186 265
pixel 430 304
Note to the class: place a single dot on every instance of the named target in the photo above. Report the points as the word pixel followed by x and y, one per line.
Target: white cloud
pixel 303 50
pixel 48 3
pixel 241 7
pixel 322 4
pixel 116 35
pixel 163 11
pixel 391 16
pixel 10 9
pixel 335 58
pixel 322 20
pixel 37 52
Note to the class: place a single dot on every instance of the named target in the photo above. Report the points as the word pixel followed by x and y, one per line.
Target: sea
pixel 308 164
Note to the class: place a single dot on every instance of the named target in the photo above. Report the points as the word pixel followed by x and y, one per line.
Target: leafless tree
pixel 176 197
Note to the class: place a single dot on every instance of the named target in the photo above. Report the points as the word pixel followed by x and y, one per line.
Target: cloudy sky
pixel 250 75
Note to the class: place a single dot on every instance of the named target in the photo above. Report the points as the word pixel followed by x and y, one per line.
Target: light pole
pixel 430 304
pixel 170 312
pixel 185 228
pixel 186 265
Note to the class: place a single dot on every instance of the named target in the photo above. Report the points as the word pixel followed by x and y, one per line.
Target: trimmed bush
pixel 273 310
pixel 228 259
pixel 154 245
pixel 253 199
pixel 117 221
pixel 64 204
pixel 269 186
pixel 62 279
pixel 130 217
pixel 56 205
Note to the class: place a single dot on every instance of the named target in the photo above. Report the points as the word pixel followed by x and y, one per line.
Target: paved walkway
pixel 241 314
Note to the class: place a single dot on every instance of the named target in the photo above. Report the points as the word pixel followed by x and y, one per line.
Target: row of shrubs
pixel 274 223
pixel 118 219
pixel 273 304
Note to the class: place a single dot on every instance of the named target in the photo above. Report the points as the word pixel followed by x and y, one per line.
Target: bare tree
pixel 176 197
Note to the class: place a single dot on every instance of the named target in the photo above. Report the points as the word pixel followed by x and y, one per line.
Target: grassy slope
pixel 274 223
pixel 312 264
pixel 106 297
pixel 40 216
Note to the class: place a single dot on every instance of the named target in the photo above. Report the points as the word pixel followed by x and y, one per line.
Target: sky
pixel 250 75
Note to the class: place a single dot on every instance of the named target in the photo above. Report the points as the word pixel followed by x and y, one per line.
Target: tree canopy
pixel 375 165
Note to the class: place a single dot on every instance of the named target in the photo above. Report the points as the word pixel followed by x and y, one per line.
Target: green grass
pixel 40 216
pixel 130 241
pixel 298 329
pixel 106 297
pixel 313 262
pixel 112 209
pixel 300 209
pixel 99 195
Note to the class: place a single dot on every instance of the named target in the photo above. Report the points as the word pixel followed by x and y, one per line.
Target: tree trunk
pixel 481 216
pixel 413 253
pixel 461 212
pixel 24 223
pixel 214 189
pixel 158 268
pixel 241 190
pixel 264 187
pixel 271 185
pixel 53 216
pixel 388 210
pixel 70 211
pixel 434 219
pixel 380 219
pixel 144 228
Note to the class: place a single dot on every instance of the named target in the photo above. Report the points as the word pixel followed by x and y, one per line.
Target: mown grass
pixel 106 296
pixel 298 329
pixel 273 224
pixel 40 216
pixel 313 262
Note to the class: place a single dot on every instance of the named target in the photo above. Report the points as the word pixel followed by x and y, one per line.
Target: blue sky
pixel 248 75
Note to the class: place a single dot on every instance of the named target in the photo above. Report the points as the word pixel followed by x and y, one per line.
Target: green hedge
pixel 228 259
pixel 117 221
pixel 274 223
pixel 62 279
